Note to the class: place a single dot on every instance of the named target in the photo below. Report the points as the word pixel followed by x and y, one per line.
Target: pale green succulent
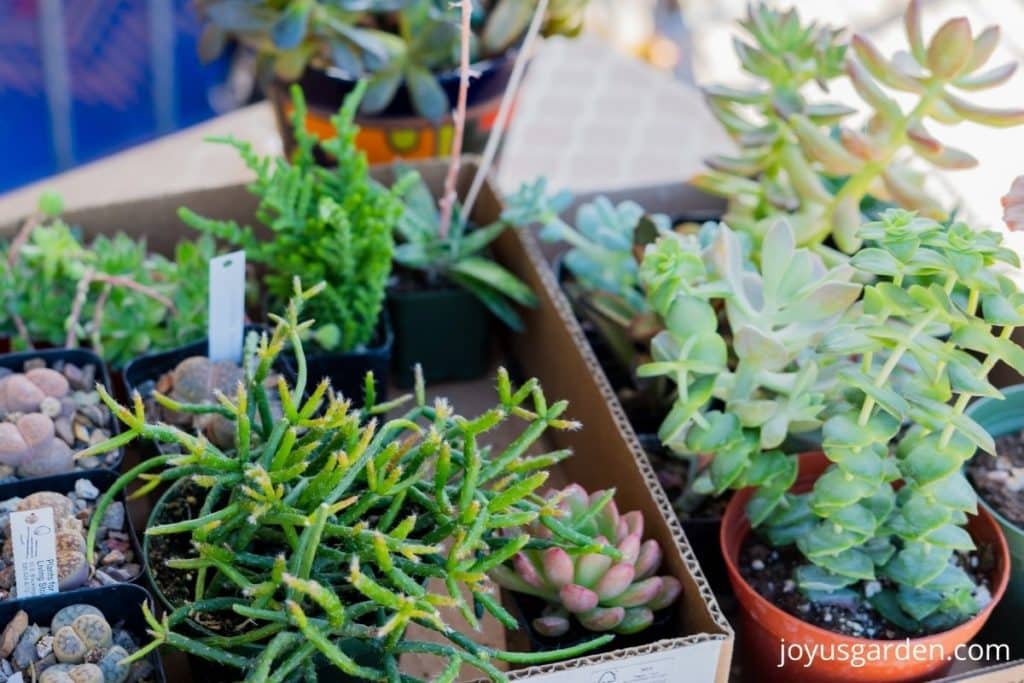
pixel 829 175
pixel 749 377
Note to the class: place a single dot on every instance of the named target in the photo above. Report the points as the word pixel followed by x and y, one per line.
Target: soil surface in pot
pixel 770 572
pixel 1000 480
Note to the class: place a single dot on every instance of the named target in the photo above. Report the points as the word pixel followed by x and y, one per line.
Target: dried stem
pixel 30 224
pixel 505 109
pixel 459 122
pixel 97 319
pixel 81 292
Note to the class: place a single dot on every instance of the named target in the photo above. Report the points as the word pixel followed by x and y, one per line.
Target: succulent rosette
pixel 605 591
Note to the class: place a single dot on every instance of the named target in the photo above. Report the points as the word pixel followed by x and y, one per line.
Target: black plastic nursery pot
pixel 445 330
pixel 347 369
pixel 63 483
pixel 80 357
pixel 120 604
pixel 138 373
pixel 398 132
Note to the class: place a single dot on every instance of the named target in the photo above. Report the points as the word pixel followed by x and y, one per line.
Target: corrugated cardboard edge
pixel 1010 672
pixel 149 217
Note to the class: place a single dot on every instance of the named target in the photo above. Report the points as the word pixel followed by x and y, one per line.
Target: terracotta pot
pixel 765 628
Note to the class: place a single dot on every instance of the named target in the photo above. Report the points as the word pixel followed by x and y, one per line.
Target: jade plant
pixel 602 594
pixel 738 346
pixel 389 42
pixel 458 255
pixel 798 156
pixel 325 224
pixel 110 293
pixel 320 529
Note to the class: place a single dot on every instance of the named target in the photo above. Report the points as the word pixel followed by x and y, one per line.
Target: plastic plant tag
pixel 226 326
pixel 34 538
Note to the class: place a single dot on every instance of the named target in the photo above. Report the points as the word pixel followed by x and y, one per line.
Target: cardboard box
pixel 554 350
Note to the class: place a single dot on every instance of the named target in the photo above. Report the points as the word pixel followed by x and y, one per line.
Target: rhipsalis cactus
pixel 796 156
pixel 602 594
pixel 321 528
pixel 855 525
pixel 739 346
pixel 326 224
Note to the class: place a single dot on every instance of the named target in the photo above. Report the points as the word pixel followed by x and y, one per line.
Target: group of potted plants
pixel 808 374
pixel 802 372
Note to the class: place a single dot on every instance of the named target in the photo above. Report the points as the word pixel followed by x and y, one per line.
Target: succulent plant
pixel 855 526
pixel 798 157
pixel 387 41
pixel 458 256
pixel 1013 205
pixel 323 526
pixel 740 346
pixel 330 224
pixel 602 594
pixel 110 294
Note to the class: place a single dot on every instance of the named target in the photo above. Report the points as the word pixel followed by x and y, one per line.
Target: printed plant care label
pixel 34 538
pixel 697 663
pixel 226 324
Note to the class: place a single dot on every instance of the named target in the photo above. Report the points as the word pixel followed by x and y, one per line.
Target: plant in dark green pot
pixel 407 49
pixel 326 224
pixel 446 289
pixel 308 549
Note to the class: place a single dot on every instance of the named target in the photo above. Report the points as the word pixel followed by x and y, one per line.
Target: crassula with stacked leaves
pixel 601 593
pixel 797 155
pixel 738 345
pixel 321 528
pixel 893 504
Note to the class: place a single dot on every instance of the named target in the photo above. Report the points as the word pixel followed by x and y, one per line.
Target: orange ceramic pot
pixel 767 630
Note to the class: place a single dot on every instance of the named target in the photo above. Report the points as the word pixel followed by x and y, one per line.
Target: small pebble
pixel 757 565
pixel 86 489
pixel 114 516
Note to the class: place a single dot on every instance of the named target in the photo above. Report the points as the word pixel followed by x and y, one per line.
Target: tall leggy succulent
pixel 855 525
pixel 837 174
pixel 321 528
pixel 601 593
pixel 739 346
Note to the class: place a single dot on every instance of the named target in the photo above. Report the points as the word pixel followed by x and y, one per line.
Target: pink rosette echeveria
pixel 602 593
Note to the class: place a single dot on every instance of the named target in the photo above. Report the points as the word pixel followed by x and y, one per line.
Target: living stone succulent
pixel 78 646
pixel 48 413
pixel 115 562
pixel 740 346
pixel 601 593
pixel 798 156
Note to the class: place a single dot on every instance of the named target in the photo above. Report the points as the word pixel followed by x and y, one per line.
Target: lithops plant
pixel 800 157
pixel 78 646
pixel 601 593
pixel 48 413
pixel 115 558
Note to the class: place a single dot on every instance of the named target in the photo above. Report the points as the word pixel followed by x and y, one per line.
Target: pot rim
pixel 1008 393
pixel 737 509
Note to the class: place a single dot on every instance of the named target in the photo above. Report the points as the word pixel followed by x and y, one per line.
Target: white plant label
pixel 34 537
pixel 226 324
pixel 697 663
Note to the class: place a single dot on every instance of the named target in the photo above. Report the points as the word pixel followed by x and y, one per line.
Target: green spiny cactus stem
pixel 601 593
pixel 799 157
pixel 322 527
